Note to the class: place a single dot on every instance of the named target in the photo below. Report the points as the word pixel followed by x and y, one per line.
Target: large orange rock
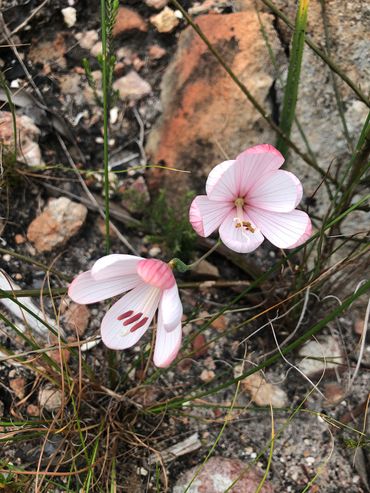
pixel 128 20
pixel 205 115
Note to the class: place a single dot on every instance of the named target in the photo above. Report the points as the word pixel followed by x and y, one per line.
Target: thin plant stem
pixel 178 264
pixel 338 99
pixel 294 72
pixel 333 66
pixel 105 122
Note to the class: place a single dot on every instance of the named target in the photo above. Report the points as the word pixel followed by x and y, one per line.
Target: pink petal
pixel 299 187
pixel 275 192
pixel 167 344
pixel 156 273
pixel 306 235
pixel 115 331
pixel 274 154
pixel 216 173
pixel 239 239
pixel 222 184
pixel 236 179
pixel 85 289
pixel 206 215
pixel 115 265
pixel 170 307
pixel 282 229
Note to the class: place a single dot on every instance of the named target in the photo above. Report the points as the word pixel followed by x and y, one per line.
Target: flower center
pixel 239 221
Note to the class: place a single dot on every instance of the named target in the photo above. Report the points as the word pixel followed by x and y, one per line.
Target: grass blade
pixel 294 72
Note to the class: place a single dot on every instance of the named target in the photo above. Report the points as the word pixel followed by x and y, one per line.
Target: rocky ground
pixel 176 106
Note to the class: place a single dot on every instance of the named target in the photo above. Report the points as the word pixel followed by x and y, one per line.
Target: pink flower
pixel 150 284
pixel 250 198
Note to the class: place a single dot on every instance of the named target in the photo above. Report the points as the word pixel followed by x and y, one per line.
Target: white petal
pixel 167 344
pixel 206 215
pixel 86 289
pixel 306 236
pixel 283 229
pixel 223 185
pixel 115 265
pixel 170 307
pixel 216 173
pixel 299 187
pixel 239 239
pixel 236 179
pixel 143 300
pixel 275 192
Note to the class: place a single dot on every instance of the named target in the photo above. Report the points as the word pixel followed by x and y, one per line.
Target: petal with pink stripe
pixel 207 215
pixel 130 317
pixel 115 265
pixel 167 344
pixel 216 174
pixel 239 237
pixel 86 289
pixel 275 192
pixel 282 229
pixel 171 308
pixel 306 236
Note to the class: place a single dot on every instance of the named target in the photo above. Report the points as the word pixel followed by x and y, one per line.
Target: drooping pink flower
pixel 151 285
pixel 250 198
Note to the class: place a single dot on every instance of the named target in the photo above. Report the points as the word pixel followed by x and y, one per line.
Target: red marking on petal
pixel 139 324
pixel 132 319
pixel 125 315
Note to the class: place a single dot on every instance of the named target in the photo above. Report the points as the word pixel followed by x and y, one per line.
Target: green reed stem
pixel 294 72
pixel 325 58
pixel 105 122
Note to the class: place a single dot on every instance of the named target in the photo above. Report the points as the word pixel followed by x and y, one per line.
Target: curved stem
pixel 178 264
pixel 203 257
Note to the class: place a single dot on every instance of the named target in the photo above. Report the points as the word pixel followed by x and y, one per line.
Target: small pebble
pixel 69 16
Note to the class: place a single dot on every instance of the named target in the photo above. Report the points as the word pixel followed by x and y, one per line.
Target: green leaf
pixel 294 72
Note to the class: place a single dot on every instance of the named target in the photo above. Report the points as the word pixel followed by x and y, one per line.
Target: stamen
pixel 132 319
pixel 139 324
pixel 248 226
pixel 124 315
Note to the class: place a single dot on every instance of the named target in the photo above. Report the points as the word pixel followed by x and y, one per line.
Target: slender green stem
pixel 269 461
pixel 29 293
pixel 218 438
pixel 333 66
pixel 359 164
pixel 32 261
pixel 294 72
pixel 338 98
pixel 105 123
pixel 182 267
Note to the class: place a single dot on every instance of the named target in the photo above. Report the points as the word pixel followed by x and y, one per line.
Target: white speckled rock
pixel 218 474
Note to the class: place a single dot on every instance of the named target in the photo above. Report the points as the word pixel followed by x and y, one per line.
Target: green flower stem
pixel 105 122
pixel 294 71
pixel 179 265
pixel 333 66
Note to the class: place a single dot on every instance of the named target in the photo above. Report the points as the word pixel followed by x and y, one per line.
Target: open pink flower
pixel 250 198
pixel 151 285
